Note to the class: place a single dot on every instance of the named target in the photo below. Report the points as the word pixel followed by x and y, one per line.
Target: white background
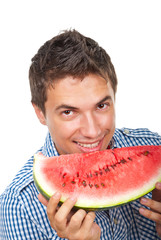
pixel 130 31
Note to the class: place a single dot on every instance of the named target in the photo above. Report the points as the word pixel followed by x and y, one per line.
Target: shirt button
pixel 115 221
pixel 126 131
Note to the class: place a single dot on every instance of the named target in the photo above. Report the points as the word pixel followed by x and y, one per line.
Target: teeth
pixel 89 145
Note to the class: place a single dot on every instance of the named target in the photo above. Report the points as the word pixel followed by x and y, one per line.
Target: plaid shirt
pixel 22 216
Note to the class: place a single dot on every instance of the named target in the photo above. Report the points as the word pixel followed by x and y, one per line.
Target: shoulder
pixel 22 182
pixel 125 137
pixel 22 210
pixel 138 132
pixel 22 179
pixel 22 188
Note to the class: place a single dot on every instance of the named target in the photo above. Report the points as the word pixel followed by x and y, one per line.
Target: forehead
pixel 69 89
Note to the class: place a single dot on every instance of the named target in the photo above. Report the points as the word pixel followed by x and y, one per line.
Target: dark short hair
pixel 67 54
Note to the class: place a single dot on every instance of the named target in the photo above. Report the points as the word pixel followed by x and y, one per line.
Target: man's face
pixel 80 115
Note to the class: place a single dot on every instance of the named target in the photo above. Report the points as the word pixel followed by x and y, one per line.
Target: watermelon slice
pixel 100 180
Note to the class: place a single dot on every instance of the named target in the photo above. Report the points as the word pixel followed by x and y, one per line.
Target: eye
pixel 102 106
pixel 67 112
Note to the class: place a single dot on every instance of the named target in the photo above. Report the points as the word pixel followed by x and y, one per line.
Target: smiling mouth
pixel 89 145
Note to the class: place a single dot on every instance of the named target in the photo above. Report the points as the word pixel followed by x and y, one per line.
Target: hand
pixel 69 224
pixel 155 207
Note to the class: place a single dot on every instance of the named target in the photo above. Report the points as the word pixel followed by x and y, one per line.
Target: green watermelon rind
pixel 99 207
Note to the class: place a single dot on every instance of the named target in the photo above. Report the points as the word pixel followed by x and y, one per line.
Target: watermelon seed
pixel 64 175
pixel 90 175
pixel 146 153
pixel 101 172
pixel 73 182
pixel 102 184
pixel 63 185
pixel 107 169
pixel 96 173
pixel 77 174
pixel 96 186
pixel 123 161
pixel 113 166
pixel 130 158
pixel 84 183
pixel 90 185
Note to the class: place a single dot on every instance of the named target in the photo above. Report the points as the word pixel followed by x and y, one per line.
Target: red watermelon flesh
pixel 102 179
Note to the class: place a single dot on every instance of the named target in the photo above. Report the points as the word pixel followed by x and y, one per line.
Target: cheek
pixel 62 129
pixel 108 121
pixel 112 120
pixel 70 128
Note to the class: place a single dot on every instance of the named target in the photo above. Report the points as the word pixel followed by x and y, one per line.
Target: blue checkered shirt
pixel 22 216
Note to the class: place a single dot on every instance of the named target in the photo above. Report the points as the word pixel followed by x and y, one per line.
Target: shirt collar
pixel 49 148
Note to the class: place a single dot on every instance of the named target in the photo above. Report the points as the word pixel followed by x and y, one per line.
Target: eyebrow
pixel 64 106
pixel 104 99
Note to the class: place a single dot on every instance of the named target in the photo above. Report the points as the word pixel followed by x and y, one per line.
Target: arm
pixel 15 223
pixel 155 207
pixel 68 224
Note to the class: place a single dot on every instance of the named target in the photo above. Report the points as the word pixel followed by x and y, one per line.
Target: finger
pixel 158 185
pixel 72 212
pixel 95 232
pixel 76 220
pixel 88 222
pixel 90 228
pixel 156 217
pixel 154 205
pixel 52 207
pixel 42 199
pixel 61 215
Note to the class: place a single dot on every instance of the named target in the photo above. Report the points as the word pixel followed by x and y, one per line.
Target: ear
pixel 39 114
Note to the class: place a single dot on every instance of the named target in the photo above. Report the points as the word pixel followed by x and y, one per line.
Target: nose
pixel 90 127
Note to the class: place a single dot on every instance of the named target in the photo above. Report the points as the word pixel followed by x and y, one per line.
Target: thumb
pixel 42 199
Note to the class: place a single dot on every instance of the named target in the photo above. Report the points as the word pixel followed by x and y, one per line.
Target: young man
pixel 73 85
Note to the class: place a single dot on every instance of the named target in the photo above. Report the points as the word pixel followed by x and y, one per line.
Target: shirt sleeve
pixel 16 224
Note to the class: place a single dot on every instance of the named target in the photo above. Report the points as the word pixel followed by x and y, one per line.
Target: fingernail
pixel 142 210
pixel 144 200
pixel 56 195
pixel 159 185
pixel 74 199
